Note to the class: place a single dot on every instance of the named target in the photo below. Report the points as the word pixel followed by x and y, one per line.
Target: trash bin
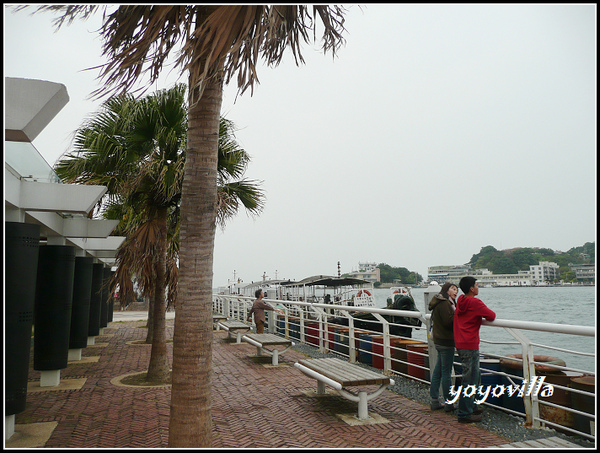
pixel 583 403
pixel 365 348
pixel 515 367
pixel 399 354
pixel 378 360
pixel 416 360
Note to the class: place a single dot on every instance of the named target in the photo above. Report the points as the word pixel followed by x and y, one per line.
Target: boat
pixel 400 299
pixel 398 291
pixel 326 289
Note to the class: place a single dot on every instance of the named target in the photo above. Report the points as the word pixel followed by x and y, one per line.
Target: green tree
pixel 137 149
pixel 217 43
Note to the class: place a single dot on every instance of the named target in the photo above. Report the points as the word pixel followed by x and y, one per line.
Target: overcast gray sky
pixel 438 130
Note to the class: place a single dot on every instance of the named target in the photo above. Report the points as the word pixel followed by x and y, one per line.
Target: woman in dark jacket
pixel 442 308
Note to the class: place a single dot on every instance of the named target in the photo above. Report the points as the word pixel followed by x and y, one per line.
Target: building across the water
pixel 584 272
pixel 545 271
pixel 443 274
pixel 367 271
pixel 541 274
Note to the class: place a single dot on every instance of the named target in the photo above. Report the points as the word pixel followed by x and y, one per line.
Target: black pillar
pixel 53 301
pixel 105 297
pixel 21 241
pixel 82 293
pixel 97 276
pixel 111 305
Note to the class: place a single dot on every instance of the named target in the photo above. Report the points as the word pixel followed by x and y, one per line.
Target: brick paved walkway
pixel 254 405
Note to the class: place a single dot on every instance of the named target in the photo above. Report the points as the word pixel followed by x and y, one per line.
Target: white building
pixel 544 272
pixel 584 272
pixel 443 274
pixel 367 271
pixel 523 278
pixel 540 274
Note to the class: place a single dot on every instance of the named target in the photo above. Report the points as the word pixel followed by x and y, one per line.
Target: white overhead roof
pixel 32 191
pixel 30 105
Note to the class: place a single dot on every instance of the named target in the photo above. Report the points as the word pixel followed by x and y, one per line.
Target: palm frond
pixel 68 12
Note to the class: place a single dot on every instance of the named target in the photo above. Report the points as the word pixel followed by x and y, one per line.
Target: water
pixel 555 305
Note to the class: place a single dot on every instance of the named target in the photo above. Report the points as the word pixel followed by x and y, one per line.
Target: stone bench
pixel 340 374
pixel 236 327
pixel 260 340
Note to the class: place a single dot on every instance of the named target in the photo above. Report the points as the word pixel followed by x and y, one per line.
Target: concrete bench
pixel 236 327
pixel 260 340
pixel 340 374
pixel 216 318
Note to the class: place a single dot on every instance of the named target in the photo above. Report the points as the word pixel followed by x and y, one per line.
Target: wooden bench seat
pixel 236 327
pixel 340 374
pixel 260 340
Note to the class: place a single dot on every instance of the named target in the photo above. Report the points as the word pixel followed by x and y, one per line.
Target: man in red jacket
pixel 467 320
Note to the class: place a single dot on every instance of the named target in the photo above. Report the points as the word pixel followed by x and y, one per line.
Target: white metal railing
pixel 314 324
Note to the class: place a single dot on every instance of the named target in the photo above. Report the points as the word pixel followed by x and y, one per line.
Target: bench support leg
pixel 275 357
pixel 238 337
pixel 363 411
pixel 320 388
pixel 259 351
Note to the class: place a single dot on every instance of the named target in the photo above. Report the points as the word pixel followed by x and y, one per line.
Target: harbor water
pixel 573 305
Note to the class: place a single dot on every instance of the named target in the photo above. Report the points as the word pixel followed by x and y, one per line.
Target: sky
pixel 437 130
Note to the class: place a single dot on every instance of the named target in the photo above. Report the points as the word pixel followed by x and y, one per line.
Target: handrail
pixel 237 307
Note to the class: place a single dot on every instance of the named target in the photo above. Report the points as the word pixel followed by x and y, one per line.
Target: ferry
pixel 349 291
pixel 396 292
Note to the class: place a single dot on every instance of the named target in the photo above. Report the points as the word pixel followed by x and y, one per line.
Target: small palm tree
pixel 217 43
pixel 137 149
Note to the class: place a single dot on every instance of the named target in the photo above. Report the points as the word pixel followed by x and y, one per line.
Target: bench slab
pixel 260 340
pixel 340 374
pixel 268 339
pixel 234 325
pixel 345 373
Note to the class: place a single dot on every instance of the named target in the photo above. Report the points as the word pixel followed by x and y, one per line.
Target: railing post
pixel 301 322
pixel 326 334
pixel 387 351
pixel 226 305
pixel 351 340
pixel 531 404
pixel 320 315
pixel 286 323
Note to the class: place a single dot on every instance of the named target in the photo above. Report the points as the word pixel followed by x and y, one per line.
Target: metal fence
pixel 540 388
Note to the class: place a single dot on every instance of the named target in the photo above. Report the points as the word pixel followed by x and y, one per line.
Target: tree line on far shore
pixel 509 261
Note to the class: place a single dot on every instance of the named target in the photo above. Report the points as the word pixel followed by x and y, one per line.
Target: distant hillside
pixel 519 259
pixel 509 261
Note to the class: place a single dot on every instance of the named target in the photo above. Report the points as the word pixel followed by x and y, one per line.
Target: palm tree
pixel 217 43
pixel 137 149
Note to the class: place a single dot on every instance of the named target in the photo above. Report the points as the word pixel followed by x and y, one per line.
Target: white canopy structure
pixel 32 191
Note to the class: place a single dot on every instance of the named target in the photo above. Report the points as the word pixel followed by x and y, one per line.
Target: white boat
pixel 353 292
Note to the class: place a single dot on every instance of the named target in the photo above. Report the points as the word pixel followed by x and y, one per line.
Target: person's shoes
pixel 471 418
pixel 436 405
pixel 449 408
pixel 478 410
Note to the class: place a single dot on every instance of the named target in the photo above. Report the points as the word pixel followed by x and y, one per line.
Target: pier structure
pixel 254 405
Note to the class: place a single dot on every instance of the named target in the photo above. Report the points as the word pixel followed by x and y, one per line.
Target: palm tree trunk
pixel 150 321
pixel 158 369
pixel 190 423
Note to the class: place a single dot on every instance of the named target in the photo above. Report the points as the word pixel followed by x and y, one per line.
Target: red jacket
pixel 467 321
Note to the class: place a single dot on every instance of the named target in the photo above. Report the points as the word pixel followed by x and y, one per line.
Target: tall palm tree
pixel 217 43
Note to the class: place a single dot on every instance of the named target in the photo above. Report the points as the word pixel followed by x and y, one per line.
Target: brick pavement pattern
pixel 255 405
